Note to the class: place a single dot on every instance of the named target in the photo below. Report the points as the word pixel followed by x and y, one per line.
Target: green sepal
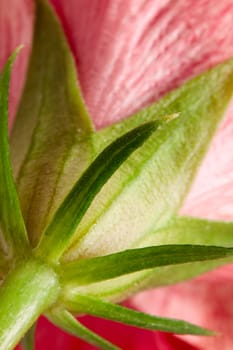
pixel 129 206
pixel 13 233
pixel 188 230
pixel 66 321
pixel 180 230
pixel 51 119
pixel 114 265
pixel 191 230
pixel 97 307
pixel 58 234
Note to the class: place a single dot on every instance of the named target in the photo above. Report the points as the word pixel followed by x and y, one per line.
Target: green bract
pixel 92 217
pixel 13 232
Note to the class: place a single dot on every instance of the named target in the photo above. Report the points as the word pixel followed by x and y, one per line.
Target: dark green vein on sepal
pixel 14 236
pixel 58 234
pixel 86 304
pixel 163 168
pixel 66 321
pixel 134 260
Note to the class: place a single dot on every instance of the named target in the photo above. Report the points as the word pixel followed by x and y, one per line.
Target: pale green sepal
pixel 97 307
pixel 149 189
pixel 51 119
pixel 66 321
pixel 180 230
pixel 57 236
pixel 13 236
pixel 134 260
pixel 191 230
pixel 188 230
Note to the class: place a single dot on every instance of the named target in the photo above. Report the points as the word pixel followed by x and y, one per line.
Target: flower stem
pixel 29 289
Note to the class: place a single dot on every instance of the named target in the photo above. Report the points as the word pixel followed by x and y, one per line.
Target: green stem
pixel 30 289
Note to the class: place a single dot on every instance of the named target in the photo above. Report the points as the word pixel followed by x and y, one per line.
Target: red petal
pixel 126 337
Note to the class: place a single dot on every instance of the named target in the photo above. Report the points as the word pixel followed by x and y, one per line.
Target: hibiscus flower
pixel 128 54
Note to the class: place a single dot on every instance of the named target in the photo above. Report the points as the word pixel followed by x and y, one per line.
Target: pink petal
pixel 207 303
pixel 212 192
pixel 15 29
pixel 131 52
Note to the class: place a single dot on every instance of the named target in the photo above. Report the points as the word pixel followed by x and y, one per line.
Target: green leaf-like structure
pixel 66 321
pixel 12 228
pixel 150 187
pixel 106 267
pixel 98 307
pixel 92 217
pixel 58 234
pixel 51 118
